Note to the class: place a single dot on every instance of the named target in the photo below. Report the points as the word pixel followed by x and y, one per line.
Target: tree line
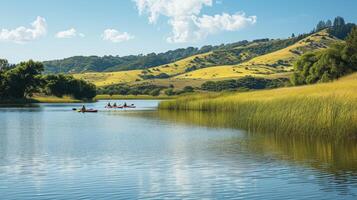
pixel 327 64
pixel 244 84
pixel 78 64
pixel 21 81
pixel 338 28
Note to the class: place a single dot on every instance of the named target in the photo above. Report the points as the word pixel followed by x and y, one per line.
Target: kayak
pixel 113 107
pixel 88 111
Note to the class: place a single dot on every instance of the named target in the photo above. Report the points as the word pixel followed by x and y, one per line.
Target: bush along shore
pixel 326 109
pixel 25 83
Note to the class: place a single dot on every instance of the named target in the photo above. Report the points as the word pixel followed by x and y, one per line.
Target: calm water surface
pixel 51 152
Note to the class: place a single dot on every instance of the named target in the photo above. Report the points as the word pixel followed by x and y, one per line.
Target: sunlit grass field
pixel 269 65
pixel 53 99
pixel 110 78
pixel 177 67
pixel 328 109
pixel 224 72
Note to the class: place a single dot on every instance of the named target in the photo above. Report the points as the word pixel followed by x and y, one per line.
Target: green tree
pixel 320 26
pixel 188 89
pixel 4 64
pixel 60 85
pixel 339 21
pixel 350 50
pixel 23 80
pixel 155 92
pixel 328 64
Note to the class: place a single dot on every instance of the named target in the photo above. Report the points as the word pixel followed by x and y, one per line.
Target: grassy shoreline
pixel 39 99
pixel 328 110
pixel 66 99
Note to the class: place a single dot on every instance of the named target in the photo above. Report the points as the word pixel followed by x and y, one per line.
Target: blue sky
pixel 112 27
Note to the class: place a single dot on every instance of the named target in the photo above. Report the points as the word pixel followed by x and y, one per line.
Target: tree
pixel 293 35
pixel 4 64
pixel 340 28
pixel 328 23
pixel 188 89
pixel 60 85
pixel 155 92
pixel 320 26
pixel 350 51
pixel 328 64
pixel 170 92
pixel 23 80
pixel 339 21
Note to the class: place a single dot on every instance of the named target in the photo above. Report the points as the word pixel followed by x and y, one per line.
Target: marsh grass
pixel 328 110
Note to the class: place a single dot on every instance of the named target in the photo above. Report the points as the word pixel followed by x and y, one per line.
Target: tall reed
pixel 328 110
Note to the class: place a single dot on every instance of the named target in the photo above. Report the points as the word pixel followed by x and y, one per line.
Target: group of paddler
pixel 125 105
pixel 108 106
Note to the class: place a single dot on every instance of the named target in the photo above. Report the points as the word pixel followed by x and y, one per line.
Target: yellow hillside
pixel 314 42
pixel 110 78
pixel 221 72
pixel 275 63
pixel 177 67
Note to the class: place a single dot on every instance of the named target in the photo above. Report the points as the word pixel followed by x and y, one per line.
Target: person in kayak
pixel 83 109
pixel 109 105
pixel 115 104
pixel 125 105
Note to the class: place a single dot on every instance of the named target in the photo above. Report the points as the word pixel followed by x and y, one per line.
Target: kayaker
pixel 109 105
pixel 115 104
pixel 83 109
pixel 125 105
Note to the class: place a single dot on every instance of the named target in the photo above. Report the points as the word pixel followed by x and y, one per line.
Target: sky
pixel 55 29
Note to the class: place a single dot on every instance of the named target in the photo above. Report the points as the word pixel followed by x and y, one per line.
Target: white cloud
pixel 116 36
pixel 185 20
pixel 22 34
pixel 70 33
pixel 225 22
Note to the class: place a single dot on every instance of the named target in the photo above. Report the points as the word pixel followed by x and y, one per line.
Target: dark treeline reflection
pixel 338 157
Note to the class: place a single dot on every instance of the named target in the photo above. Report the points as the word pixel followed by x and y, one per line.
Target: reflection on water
pixel 325 154
pixel 51 152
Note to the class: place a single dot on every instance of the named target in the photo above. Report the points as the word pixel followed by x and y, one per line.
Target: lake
pixel 48 151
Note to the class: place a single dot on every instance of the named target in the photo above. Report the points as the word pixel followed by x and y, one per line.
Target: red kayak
pixel 88 111
pixel 129 106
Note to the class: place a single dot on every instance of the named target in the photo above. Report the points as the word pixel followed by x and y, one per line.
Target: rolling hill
pixel 276 63
pixel 261 58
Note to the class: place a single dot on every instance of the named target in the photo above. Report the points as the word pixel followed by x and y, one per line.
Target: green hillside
pixel 202 67
pixel 276 63
pixel 233 53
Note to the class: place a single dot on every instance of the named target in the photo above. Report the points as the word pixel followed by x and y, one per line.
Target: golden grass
pixel 53 99
pixel 225 72
pixel 110 78
pixel 265 65
pixel 321 38
pixel 177 67
pixel 261 66
pixel 328 109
